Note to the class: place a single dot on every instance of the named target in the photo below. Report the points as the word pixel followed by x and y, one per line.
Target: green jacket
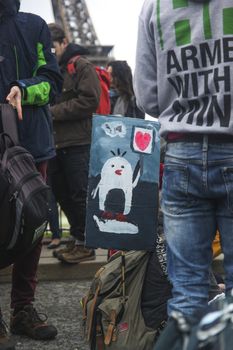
pixel 72 113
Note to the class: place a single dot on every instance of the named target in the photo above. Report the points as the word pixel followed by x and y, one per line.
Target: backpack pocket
pixel 31 216
pixel 111 311
pixel 35 214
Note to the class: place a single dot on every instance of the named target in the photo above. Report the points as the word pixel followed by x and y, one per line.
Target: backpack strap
pixel 99 335
pixel 84 306
pixel 111 328
pixel 103 75
pixel 9 122
pixel 71 69
pixel 92 310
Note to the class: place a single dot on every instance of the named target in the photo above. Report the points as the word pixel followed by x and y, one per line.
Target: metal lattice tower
pixel 74 17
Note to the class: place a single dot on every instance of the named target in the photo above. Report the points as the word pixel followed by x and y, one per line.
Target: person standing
pixel 184 76
pixel 30 79
pixel 123 101
pixel 72 118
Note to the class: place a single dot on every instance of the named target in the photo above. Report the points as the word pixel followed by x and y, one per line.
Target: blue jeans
pixel 197 198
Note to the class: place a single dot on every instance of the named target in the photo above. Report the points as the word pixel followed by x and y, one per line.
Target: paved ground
pixel 60 300
pixel 50 269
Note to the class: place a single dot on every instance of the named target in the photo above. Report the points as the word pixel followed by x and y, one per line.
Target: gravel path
pixel 61 302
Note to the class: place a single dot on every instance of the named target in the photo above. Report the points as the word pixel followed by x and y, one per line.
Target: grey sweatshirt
pixel 184 65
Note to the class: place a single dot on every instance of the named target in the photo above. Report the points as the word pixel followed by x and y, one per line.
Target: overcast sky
pixel 115 22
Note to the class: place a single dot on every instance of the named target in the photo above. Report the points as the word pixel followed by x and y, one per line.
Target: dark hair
pixel 57 32
pixel 122 78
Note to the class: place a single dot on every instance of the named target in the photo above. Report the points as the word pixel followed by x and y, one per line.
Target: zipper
pixel 17 62
pixel 21 183
pixel 19 218
pixel 42 187
pixel 8 157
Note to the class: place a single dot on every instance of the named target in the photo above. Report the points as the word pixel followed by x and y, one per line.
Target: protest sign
pixel 123 184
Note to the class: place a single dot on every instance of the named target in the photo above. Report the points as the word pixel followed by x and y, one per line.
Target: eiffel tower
pixel 74 17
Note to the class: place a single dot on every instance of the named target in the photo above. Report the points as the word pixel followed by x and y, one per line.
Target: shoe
pixel 5 342
pixel 77 255
pixel 28 322
pixel 69 246
pixel 54 244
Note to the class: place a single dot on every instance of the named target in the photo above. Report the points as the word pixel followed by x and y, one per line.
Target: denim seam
pixel 225 170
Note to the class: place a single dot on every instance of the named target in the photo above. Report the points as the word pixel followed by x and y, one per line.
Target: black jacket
pixel 26 60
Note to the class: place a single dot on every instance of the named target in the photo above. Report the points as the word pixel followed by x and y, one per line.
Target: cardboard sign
pixel 123 184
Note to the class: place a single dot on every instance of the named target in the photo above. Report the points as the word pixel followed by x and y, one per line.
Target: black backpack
pixel 24 196
pixel 213 331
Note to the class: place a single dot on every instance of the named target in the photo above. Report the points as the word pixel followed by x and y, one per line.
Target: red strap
pixel 173 136
pixel 71 69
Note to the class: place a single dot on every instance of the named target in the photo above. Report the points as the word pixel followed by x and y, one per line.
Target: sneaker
pixel 28 322
pixel 5 342
pixel 68 248
pixel 77 255
pixel 54 244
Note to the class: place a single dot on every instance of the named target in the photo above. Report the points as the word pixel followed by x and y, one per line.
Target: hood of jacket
pixel 71 51
pixel 9 7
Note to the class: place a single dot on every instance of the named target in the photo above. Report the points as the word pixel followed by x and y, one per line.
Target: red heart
pixel 142 140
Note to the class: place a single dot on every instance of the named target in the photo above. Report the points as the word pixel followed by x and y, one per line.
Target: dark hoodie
pixel 71 51
pixel 79 100
pixel 9 7
pixel 26 60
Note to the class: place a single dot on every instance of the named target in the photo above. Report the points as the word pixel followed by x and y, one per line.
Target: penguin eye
pixel 122 167
pixel 113 165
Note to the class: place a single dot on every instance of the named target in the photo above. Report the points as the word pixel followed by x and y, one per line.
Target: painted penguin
pixel 117 173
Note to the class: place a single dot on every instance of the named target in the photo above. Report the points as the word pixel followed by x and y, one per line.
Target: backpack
pixel 112 308
pixel 24 204
pixel 104 104
pixel 212 329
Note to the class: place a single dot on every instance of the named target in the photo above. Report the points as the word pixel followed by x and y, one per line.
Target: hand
pixel 14 98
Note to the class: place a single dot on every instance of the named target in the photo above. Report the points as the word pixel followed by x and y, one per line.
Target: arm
pixel 87 92
pixel 46 81
pixel 145 76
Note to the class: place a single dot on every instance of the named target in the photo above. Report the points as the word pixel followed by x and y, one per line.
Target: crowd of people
pixel 183 76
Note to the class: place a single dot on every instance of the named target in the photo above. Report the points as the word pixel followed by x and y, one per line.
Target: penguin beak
pixel 118 172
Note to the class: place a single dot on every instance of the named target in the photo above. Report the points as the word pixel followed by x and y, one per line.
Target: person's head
pixel 121 77
pixel 59 39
